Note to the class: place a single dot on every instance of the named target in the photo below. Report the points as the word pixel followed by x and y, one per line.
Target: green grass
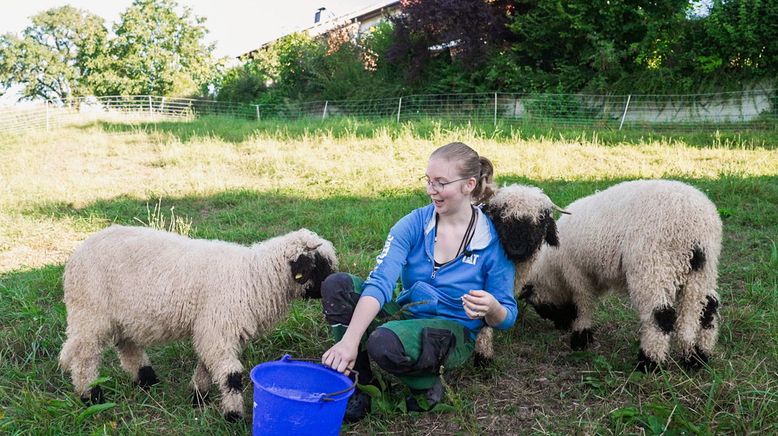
pixel 350 181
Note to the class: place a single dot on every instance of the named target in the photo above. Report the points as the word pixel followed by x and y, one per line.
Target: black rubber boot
pixel 433 396
pixel 359 404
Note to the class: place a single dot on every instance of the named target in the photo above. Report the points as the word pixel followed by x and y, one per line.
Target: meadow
pixel 349 181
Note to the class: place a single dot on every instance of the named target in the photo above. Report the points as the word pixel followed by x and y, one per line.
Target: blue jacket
pixel 408 254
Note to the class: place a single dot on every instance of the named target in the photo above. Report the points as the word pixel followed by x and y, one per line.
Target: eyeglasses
pixel 439 186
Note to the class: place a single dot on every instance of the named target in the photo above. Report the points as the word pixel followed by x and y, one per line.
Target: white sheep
pixel 522 217
pixel 657 241
pixel 131 287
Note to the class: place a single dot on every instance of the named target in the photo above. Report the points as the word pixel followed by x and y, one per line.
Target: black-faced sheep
pixel 522 216
pixel 131 287
pixel 657 241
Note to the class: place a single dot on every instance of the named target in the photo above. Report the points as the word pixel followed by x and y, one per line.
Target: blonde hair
pixel 470 165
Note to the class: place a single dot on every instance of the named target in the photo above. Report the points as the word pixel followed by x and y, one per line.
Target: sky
pixel 236 26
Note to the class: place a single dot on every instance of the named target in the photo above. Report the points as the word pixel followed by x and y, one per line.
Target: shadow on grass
pixel 32 334
pixel 234 130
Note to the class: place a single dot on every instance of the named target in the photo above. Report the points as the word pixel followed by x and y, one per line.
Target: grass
pixel 350 181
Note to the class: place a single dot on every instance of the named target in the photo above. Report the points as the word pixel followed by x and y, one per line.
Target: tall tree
pixel 468 29
pixel 158 51
pixel 55 56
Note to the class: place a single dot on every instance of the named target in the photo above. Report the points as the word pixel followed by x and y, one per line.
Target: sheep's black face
pixel 312 268
pixel 521 237
pixel 562 315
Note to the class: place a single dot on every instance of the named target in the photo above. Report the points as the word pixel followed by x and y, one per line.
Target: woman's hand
pixel 341 356
pixel 481 304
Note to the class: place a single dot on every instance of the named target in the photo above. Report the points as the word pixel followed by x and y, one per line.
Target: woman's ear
pixel 470 185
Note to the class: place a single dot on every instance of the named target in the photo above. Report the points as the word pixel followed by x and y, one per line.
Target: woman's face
pixel 454 194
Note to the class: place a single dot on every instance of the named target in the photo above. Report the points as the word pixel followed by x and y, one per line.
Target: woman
pixel 455 278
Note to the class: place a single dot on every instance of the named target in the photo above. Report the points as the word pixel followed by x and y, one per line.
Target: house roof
pixel 322 27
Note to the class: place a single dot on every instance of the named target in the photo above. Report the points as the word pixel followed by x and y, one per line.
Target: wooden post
pixel 257 106
pixel 324 112
pixel 399 107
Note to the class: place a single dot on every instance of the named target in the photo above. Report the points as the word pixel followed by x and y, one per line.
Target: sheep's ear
pixel 551 234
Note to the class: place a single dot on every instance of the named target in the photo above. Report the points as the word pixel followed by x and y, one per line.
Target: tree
pixel 468 29
pixel 157 51
pixel 579 43
pixel 56 55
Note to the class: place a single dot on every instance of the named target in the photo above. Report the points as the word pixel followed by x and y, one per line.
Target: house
pixel 354 24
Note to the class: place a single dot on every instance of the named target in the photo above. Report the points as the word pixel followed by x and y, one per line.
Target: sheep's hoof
pixel 147 377
pixel 645 363
pixel 481 361
pixel 233 416
pixel 200 399
pixel 696 360
pixel 95 396
pixel 581 339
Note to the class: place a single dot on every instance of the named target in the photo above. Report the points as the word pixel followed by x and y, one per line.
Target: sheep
pixel 522 217
pixel 657 241
pixel 131 287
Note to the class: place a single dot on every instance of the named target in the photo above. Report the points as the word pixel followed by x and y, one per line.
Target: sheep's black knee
pixel 697 261
pixel 95 396
pixel 696 360
pixel 665 319
pixel 481 361
pixel 709 313
pixel 233 416
pixel 338 298
pixel 645 363
pixel 147 377
pixel 562 316
pixel 235 382
pixel 581 339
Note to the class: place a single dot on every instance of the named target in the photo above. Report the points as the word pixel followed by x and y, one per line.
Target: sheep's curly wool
pixel 657 241
pixel 131 287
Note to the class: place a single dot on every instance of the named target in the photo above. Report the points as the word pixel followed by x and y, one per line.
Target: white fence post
pixel 162 106
pixel 257 106
pixel 151 110
pixel 399 107
pixel 624 115
pixel 324 112
pixel 495 109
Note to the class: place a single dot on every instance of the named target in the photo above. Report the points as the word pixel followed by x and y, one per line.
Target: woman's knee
pixel 338 298
pixel 387 351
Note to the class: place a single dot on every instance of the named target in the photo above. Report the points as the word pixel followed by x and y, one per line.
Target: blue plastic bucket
pixel 293 397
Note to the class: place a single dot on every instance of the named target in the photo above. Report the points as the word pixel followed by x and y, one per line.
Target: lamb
pixel 657 241
pixel 522 216
pixel 131 287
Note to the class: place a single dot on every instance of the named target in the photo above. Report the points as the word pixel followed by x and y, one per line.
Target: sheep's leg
pixel 657 322
pixel 698 323
pixel 136 362
pixel 200 384
pixel 81 357
pixel 221 361
pixel 484 347
pixel 585 302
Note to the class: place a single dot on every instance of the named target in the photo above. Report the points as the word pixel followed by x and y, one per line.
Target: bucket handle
pixel 331 396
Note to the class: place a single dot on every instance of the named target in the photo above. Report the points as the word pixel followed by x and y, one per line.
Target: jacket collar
pixel 483 231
